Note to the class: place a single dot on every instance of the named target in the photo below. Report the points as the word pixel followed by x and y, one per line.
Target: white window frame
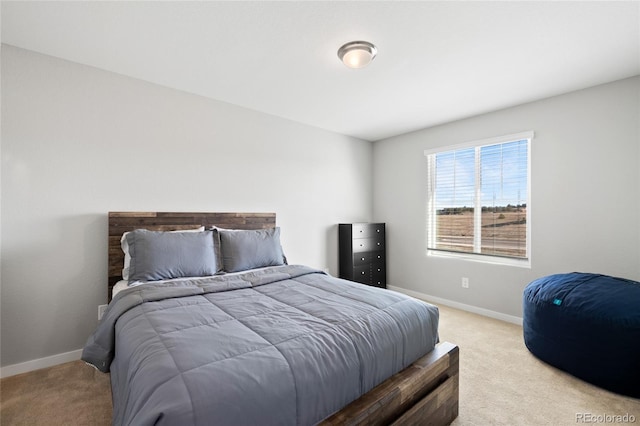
pixel 431 224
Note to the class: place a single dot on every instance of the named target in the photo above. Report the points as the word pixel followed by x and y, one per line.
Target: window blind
pixel 478 197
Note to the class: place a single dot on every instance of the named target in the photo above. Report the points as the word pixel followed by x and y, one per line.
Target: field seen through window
pixel 504 230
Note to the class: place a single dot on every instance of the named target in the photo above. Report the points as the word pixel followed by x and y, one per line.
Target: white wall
pixel 78 142
pixel 585 196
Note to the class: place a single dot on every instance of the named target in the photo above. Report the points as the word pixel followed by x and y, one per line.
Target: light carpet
pixel 502 383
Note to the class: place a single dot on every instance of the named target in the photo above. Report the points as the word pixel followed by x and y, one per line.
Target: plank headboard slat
pixel 121 222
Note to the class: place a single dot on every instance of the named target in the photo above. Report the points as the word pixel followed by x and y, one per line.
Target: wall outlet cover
pixel 101 309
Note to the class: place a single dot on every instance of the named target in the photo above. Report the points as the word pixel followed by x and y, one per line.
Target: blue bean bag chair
pixel 587 325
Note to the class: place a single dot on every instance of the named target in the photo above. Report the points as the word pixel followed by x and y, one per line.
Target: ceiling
pixel 437 61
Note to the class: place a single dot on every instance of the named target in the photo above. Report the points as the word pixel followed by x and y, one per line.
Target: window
pixel 478 198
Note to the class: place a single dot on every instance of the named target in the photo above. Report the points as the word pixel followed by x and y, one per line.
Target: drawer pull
pixel 377 230
pixel 378 269
pixel 379 257
pixel 379 243
pixel 362 272
pixel 362 258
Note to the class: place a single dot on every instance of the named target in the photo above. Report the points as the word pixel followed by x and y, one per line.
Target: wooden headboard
pixel 121 222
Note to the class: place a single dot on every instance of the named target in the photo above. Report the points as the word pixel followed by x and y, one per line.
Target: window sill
pixel 490 260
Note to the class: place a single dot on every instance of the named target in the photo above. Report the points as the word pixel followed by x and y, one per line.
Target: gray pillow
pixel 248 249
pixel 157 255
pixel 127 256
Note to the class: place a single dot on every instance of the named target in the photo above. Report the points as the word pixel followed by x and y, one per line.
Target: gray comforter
pixel 286 345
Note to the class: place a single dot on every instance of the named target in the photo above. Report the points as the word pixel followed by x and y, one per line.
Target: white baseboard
pixel 36 364
pixel 463 307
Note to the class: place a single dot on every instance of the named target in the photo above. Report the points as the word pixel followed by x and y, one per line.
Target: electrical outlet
pixel 465 282
pixel 101 309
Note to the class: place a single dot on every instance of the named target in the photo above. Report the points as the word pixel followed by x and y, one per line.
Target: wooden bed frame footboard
pixel 425 393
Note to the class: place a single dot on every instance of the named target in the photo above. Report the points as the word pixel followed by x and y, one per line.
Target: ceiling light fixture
pixel 357 54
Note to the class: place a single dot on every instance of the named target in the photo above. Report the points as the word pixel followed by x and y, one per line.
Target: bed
pixel 266 343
